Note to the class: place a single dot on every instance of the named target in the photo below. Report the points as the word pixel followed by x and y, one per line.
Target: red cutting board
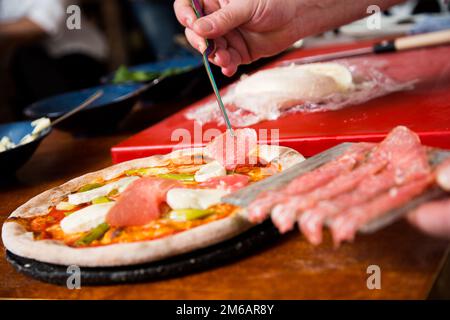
pixel 424 109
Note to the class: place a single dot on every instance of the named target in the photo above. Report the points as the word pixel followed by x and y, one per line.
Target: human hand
pixel 243 31
pixel 433 218
pixel 246 30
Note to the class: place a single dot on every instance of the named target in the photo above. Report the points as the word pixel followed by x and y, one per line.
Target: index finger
pixel 184 12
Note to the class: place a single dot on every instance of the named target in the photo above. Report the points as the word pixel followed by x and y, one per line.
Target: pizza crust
pixel 20 242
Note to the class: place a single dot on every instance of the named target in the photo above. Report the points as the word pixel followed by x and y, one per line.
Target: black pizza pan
pixel 229 251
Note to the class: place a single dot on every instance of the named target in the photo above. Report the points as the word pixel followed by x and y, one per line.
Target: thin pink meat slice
pixel 233 150
pixel 320 176
pixel 140 202
pixel 312 220
pixel 294 206
pixel 260 208
pixel 345 226
pixel 400 147
pixel 408 162
pixel 230 182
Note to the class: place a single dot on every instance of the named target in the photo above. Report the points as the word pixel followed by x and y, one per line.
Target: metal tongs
pixel 209 49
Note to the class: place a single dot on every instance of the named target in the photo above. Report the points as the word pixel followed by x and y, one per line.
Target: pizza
pixel 146 209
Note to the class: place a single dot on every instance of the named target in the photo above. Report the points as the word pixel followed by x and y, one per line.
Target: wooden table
pixel 289 269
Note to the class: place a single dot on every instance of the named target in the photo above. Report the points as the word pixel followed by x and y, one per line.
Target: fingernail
pixel 204 25
pixel 189 21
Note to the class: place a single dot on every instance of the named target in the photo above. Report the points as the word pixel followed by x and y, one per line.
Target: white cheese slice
pixel 87 218
pixel 179 198
pixel 87 196
pixel 64 206
pixel 210 170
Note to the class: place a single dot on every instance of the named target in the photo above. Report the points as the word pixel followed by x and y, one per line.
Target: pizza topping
pixel 182 198
pixel 147 171
pixel 177 176
pixel 210 170
pixel 189 214
pixel 140 202
pixel 90 186
pixel 86 219
pixel 229 183
pixel 93 235
pixel 65 206
pixel 101 200
pixel 93 193
pixel 232 150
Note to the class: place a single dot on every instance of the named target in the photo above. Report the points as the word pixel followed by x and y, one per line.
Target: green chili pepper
pixel 100 200
pixel 90 186
pixel 140 172
pixel 93 235
pixel 189 214
pixel 177 176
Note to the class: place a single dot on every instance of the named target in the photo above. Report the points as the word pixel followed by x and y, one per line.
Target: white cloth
pixel 51 16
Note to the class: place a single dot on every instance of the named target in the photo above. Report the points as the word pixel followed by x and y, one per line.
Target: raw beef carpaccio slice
pixel 381 178
pixel 345 226
pixel 260 208
pixel 140 202
pixel 233 150
pixel 408 161
pixel 229 183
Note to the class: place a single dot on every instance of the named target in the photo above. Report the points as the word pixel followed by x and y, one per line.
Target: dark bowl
pixel 103 115
pixel 13 159
pixel 172 87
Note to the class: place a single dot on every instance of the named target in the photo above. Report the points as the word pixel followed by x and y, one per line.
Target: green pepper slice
pixel 178 176
pixel 189 214
pixel 101 200
pixel 90 186
pixel 93 235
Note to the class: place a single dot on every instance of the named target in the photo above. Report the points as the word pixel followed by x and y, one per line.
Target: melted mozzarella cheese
pixel 210 170
pixel 86 219
pixel 88 196
pixel 179 198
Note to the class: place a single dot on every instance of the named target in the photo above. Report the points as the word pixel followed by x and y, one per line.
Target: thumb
pixel 223 20
pixel 433 218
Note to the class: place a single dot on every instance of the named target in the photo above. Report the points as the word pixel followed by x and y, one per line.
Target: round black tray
pixel 219 254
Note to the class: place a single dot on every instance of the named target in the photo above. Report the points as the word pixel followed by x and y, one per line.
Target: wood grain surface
pixel 289 269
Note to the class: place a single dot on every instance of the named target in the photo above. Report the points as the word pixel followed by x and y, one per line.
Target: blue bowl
pixel 13 159
pixel 104 114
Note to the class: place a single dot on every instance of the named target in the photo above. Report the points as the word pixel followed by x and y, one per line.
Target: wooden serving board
pixel 425 110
